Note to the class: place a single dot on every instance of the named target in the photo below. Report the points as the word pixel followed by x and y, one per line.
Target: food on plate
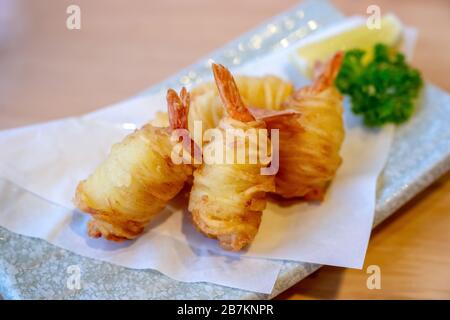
pixel 355 36
pixel 137 179
pixel 383 89
pixel 299 132
pixel 266 92
pixel 227 199
pixel 309 144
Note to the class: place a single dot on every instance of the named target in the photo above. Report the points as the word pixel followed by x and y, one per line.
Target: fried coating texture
pixel 267 92
pixel 227 200
pixel 136 181
pixel 310 144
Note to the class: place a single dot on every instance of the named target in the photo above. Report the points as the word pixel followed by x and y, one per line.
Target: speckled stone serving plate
pixel 34 269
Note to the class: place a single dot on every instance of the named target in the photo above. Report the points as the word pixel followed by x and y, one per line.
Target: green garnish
pixel 382 90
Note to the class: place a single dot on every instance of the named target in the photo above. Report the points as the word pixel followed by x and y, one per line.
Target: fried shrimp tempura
pixel 227 200
pixel 267 92
pixel 310 144
pixel 136 180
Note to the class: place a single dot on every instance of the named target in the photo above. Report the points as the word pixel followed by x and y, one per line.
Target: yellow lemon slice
pixel 350 36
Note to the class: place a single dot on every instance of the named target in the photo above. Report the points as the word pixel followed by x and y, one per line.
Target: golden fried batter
pixel 266 92
pixel 310 144
pixel 227 200
pixel 137 179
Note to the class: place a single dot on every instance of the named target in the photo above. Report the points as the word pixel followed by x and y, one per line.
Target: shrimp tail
pixel 230 95
pixel 325 74
pixel 178 107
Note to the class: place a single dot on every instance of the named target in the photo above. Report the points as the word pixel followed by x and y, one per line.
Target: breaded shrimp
pixel 227 199
pixel 137 179
pixel 310 144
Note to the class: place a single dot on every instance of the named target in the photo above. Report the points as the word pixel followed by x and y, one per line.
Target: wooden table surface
pixel 123 47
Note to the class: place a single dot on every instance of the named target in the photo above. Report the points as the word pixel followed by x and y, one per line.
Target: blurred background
pixel 123 47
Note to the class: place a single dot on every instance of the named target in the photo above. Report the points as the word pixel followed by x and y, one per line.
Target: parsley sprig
pixel 382 90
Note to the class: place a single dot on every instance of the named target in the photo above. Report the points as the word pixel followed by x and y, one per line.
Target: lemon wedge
pixel 350 36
